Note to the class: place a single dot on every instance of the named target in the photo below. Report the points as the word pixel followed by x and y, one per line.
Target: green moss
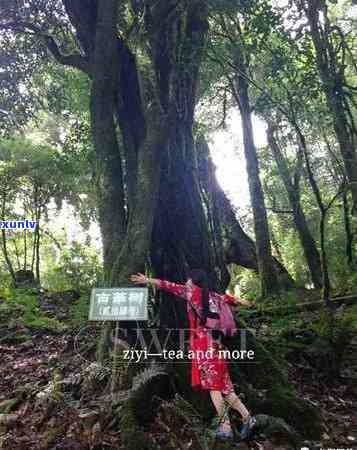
pixel 282 401
pixel 267 370
pixel 298 413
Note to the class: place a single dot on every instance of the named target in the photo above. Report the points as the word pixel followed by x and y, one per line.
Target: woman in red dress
pixel 209 370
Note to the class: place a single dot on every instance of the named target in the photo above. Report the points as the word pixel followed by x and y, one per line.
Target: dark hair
pixel 199 278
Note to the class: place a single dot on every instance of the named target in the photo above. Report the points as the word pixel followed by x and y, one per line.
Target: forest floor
pixel 44 406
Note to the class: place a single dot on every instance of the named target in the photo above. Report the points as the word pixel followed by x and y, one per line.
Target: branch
pixel 281 211
pixel 74 60
pixel 331 202
pixel 50 235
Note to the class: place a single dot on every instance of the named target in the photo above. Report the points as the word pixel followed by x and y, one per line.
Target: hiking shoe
pixel 225 435
pixel 248 427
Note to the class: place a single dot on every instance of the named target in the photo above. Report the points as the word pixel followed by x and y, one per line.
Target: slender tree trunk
pixel 268 276
pixel 4 241
pixel 307 241
pixel 37 269
pixel 333 80
pixel 25 250
pixel 275 244
pixel 33 256
pixel 348 231
pixel 35 234
pixel 6 256
pixel 17 255
pixel 323 211
pixel 326 278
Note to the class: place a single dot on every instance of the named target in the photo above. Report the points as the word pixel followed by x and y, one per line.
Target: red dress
pixel 209 369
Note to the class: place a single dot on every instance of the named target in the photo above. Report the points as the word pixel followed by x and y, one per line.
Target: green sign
pixel 116 304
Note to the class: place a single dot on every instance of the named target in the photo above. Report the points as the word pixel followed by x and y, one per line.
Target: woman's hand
pixel 244 302
pixel 139 278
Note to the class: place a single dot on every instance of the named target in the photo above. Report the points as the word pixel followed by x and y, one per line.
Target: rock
pixel 8 420
pixel 60 297
pixel 7 405
pixel 87 414
pixel 88 417
pixel 56 304
pixel 28 389
pixel 25 278
pixel 296 412
pixel 277 428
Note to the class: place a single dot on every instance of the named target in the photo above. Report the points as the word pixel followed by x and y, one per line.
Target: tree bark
pixel 108 170
pixel 181 237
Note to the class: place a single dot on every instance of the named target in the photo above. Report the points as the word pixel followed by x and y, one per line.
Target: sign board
pixel 130 303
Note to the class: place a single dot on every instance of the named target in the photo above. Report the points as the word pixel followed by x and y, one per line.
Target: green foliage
pixel 78 268
pixel 22 306
pixel 34 175
pixel 79 310
pixel 337 327
pixel 5 279
pixel 248 282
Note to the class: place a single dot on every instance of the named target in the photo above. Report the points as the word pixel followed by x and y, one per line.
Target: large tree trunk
pixel 268 276
pixel 108 168
pixel 293 190
pixel 181 237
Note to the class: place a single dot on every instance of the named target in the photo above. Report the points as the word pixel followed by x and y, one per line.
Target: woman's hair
pixel 199 278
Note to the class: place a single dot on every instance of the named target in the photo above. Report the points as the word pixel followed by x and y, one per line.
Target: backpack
pixel 221 320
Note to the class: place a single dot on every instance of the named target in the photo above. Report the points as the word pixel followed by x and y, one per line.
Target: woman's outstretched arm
pixel 140 278
pixel 173 288
pixel 235 301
